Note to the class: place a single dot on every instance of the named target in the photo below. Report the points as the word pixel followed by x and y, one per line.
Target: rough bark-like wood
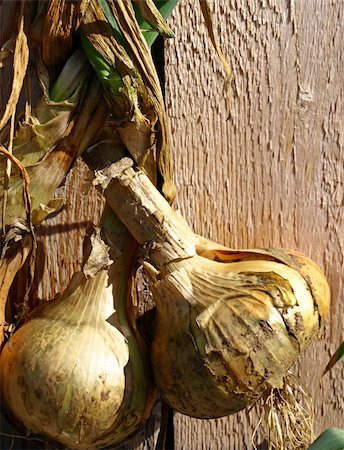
pixel 273 174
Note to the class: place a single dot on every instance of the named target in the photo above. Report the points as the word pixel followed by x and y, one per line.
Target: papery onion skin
pixel 75 399
pixel 228 331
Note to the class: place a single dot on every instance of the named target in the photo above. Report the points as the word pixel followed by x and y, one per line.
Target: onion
pixel 74 371
pixel 230 322
pixel 229 328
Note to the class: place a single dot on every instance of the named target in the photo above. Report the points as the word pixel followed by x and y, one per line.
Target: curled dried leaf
pixel 83 127
pixel 20 63
pixel 98 257
pixel 26 180
pixel 43 211
pixel 137 135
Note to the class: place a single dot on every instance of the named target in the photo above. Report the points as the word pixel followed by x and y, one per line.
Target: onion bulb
pixel 230 323
pixel 230 327
pixel 74 372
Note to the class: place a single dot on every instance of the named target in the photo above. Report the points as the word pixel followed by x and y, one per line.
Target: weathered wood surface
pixel 272 175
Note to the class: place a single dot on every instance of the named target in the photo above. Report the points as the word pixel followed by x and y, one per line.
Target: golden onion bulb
pixel 228 331
pixel 68 372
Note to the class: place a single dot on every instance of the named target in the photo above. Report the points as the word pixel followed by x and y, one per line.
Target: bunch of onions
pixel 76 371
pixel 230 323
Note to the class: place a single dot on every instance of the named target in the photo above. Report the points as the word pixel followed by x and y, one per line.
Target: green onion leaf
pixel 335 358
pixel 330 439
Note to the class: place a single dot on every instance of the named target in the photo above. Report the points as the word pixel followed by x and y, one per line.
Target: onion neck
pixel 86 301
pixel 122 249
pixel 139 205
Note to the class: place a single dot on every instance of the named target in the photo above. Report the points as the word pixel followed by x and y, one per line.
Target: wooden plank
pixel 273 174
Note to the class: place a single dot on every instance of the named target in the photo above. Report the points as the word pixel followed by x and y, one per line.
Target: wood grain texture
pixel 271 175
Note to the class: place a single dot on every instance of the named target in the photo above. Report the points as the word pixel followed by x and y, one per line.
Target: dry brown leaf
pixel 140 53
pixel 85 126
pixel 10 264
pixel 43 211
pixel 98 258
pixel 151 13
pixel 84 129
pixel 62 20
pixel 26 181
pixel 137 136
pixel 20 62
